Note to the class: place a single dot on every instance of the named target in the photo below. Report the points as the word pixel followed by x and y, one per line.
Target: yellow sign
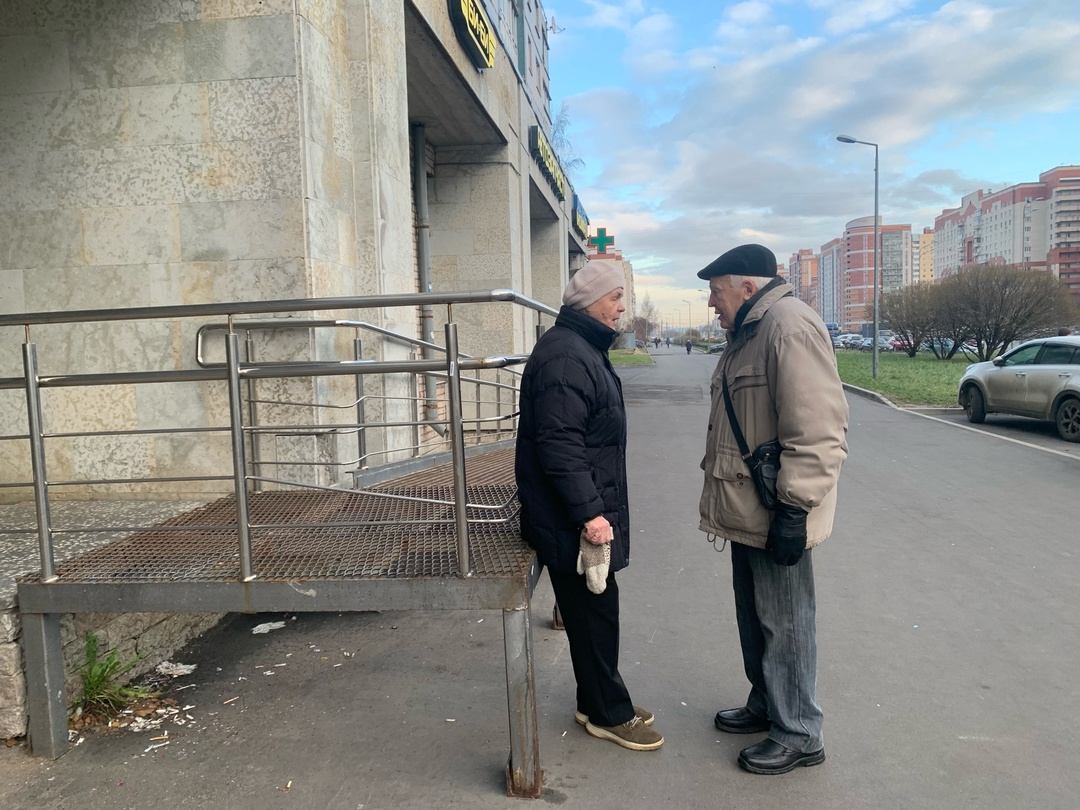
pixel 548 162
pixel 474 31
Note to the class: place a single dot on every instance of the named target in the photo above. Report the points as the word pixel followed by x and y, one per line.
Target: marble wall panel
pixel 181 405
pixel 24 16
pixel 87 119
pixel 22 120
pixel 251 47
pixel 323 62
pixel 101 287
pixel 242 280
pixel 254 109
pixel 34 63
pixel 259 229
pixel 131 235
pixel 103 347
pixel 193 455
pixel 11 292
pixel 96 457
pixel 240 170
pixel 88 409
pixel 169 114
pixel 329 177
pixel 141 175
pixel 230 9
pixel 327 16
pixel 126 56
pixel 327 122
pixel 40 238
pixel 39 181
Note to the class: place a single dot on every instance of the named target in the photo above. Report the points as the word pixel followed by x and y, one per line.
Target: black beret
pixel 744 260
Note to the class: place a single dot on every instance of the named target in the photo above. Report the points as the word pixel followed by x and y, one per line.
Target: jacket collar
pixel 755 307
pixel 588 327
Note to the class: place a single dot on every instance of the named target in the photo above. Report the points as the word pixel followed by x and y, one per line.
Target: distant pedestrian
pixel 775 388
pixel 689 345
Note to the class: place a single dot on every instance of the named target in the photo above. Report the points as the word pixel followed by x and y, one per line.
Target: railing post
pixel 457 446
pixel 361 433
pixel 236 424
pixel 37 460
pixel 253 413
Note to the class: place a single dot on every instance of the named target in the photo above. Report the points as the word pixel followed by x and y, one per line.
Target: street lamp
pixel 689 318
pixel 849 139
pixel 708 313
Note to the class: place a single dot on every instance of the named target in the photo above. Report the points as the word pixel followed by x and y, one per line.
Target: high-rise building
pixel 894 266
pixel 1032 225
pixel 803 276
pixel 922 268
pixel 831 281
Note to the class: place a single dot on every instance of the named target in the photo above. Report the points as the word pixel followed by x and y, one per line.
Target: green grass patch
pixel 922 380
pixel 630 357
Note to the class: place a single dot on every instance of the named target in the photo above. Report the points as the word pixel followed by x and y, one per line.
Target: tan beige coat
pixel 781 374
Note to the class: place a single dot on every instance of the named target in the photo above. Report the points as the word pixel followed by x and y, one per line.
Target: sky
pixel 703 124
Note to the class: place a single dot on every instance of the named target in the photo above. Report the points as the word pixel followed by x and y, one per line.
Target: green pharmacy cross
pixel 601 241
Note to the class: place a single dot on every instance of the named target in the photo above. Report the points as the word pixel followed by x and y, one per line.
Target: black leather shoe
pixel 770 757
pixel 740 721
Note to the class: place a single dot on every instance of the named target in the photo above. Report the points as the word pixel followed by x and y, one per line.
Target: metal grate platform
pixel 400 530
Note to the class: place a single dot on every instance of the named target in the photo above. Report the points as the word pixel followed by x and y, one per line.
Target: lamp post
pixel 689 317
pixel 708 314
pixel 874 351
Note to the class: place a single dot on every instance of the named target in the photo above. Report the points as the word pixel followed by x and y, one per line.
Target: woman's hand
pixel 598 531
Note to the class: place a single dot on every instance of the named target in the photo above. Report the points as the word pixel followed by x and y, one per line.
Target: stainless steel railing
pixel 239 373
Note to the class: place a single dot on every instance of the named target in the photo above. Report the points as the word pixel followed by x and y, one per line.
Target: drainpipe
pixel 423 260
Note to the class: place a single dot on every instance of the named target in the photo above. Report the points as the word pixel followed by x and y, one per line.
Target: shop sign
pixel 580 218
pixel 474 31
pixel 548 163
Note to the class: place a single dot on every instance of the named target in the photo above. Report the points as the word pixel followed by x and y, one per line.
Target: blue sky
pixel 703 125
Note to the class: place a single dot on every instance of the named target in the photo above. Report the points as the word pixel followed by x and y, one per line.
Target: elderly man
pixel 777 380
pixel 571 477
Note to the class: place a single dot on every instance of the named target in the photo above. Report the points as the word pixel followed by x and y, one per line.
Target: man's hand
pixel 787 534
pixel 598 531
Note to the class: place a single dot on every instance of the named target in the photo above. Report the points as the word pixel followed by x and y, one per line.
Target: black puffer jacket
pixel 571 445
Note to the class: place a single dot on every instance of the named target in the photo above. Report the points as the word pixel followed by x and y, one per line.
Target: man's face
pixel 725 298
pixel 608 309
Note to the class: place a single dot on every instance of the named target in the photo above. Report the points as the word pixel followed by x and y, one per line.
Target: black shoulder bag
pixel 764 462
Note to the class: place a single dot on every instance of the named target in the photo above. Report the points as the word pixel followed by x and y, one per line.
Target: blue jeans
pixel 775 607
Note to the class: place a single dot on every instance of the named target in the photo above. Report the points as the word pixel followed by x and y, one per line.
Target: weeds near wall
pixel 103 692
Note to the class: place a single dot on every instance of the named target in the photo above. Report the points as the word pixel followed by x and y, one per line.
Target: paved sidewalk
pixel 948 619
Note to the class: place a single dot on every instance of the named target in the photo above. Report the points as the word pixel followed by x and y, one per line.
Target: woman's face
pixel 608 309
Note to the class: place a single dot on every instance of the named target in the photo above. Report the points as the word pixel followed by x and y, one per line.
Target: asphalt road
pixel 948 626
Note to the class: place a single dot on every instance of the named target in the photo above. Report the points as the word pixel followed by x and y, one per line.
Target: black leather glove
pixel 787 534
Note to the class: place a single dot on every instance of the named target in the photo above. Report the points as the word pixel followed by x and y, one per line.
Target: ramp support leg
pixel 45 702
pixel 523 775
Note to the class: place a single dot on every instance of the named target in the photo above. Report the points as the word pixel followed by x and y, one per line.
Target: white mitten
pixel 593 561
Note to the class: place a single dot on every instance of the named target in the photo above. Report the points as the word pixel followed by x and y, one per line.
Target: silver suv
pixel 1040 379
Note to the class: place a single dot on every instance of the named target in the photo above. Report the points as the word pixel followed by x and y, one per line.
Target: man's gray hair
pixel 757 281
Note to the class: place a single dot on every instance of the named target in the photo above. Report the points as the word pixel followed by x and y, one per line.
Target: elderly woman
pixel 571 477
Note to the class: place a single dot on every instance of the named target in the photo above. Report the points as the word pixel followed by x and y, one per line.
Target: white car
pixel 1040 379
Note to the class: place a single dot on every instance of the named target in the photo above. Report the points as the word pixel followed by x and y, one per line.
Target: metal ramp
pixel 443 538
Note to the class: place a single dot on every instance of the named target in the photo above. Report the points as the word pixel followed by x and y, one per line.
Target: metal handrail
pixel 280 305
pixel 235 372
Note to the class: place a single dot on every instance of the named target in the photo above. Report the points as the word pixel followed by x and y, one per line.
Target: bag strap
pixel 739 438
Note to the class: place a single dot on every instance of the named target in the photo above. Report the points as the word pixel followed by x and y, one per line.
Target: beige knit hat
pixel 591 283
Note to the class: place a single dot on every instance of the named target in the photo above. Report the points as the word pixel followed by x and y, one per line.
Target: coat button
pixel 739 476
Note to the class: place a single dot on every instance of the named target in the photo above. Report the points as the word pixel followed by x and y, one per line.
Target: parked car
pixel 883 345
pixel 1040 379
pixel 851 340
pixel 899 344
pixel 717 348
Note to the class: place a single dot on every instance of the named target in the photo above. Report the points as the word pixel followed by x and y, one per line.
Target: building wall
pixel 161 153
pixel 831 273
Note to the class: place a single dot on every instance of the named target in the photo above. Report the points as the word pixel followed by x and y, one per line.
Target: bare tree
pixel 910 313
pixel 648 313
pixel 560 140
pixel 1003 305
pixel 949 327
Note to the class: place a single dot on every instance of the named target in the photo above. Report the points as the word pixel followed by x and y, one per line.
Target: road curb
pixel 871 395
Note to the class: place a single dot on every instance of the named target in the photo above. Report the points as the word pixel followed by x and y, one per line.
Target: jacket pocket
pixel 734 492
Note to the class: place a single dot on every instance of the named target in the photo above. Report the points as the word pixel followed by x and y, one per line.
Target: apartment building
pixel 1033 225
